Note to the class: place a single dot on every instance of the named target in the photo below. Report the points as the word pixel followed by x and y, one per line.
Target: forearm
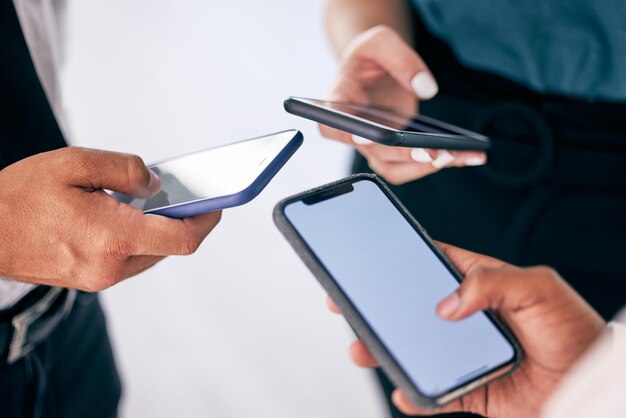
pixel 345 19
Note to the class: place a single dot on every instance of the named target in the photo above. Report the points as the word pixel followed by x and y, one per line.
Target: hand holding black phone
pixel 386 276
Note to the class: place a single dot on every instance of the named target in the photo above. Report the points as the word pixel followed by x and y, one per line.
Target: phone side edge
pixel 441 141
pixel 352 126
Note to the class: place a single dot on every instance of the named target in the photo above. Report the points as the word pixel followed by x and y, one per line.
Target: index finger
pixel 387 49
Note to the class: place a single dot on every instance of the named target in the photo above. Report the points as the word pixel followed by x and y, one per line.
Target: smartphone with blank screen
pixel 388 126
pixel 217 178
pixel 386 275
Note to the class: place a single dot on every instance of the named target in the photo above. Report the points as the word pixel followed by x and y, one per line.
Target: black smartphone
pixel 388 126
pixel 386 275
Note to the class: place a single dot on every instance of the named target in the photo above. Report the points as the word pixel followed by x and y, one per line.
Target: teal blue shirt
pixel 575 48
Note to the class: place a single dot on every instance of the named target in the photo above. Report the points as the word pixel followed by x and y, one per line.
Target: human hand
pixel 554 325
pixel 60 228
pixel 380 68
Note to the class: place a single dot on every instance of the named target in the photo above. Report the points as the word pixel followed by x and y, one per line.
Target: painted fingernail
pixel 420 155
pixel 424 85
pixel 449 305
pixel 443 159
pixel 155 183
pixel 475 161
pixel 359 140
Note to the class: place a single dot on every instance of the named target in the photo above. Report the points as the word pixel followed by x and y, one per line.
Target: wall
pixel 239 329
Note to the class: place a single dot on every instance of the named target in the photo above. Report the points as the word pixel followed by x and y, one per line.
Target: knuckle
pixel 369 41
pixel 190 246
pixel 546 273
pixel 95 281
pixel 120 248
pixel 92 285
pixel 88 285
pixel 111 246
pixel 71 153
pixel 136 169
pixel 98 242
pixel 383 36
pixel 109 274
pixel 73 159
pixel 381 31
pixel 475 277
pixel 108 280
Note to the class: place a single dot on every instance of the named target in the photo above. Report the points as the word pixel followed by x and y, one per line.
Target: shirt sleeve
pixel 596 385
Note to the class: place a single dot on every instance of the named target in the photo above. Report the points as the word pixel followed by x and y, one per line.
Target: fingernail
pixel 449 305
pixel 359 140
pixel 424 85
pixel 443 159
pixel 155 183
pixel 420 155
pixel 475 161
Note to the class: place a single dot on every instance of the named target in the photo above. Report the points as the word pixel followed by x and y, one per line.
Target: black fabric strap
pixel 27 123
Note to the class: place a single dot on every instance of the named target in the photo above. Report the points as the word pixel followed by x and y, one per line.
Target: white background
pixel 239 329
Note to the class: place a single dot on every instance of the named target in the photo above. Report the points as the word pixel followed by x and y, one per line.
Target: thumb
pixel 124 173
pixel 502 289
pixel 386 48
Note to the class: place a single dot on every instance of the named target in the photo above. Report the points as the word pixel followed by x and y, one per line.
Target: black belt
pixel 32 320
pixel 536 150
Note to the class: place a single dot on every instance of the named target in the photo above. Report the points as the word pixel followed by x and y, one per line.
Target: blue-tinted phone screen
pixel 395 280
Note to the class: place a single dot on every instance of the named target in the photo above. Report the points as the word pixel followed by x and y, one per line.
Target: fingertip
pixel 424 85
pixel 154 186
pixel 420 155
pixel 475 161
pixel 359 140
pixel 448 307
pixel 332 306
pixel 361 356
pixel 401 402
pixel 444 158
pixel 397 397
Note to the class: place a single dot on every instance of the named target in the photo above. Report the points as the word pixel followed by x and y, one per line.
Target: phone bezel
pixel 388 363
pixel 464 140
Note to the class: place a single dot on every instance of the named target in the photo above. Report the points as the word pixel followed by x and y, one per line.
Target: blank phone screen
pixel 395 280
